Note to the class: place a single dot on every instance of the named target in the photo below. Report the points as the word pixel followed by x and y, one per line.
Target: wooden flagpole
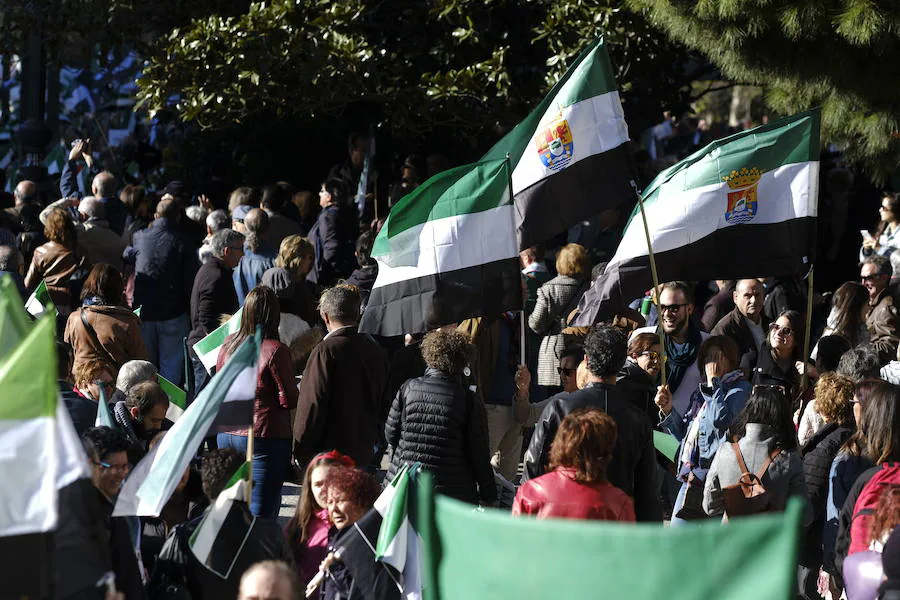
pixel 655 294
pixel 522 330
pixel 807 334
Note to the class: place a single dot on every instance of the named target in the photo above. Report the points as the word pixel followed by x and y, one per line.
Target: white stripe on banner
pixel 449 244
pixel 679 217
pixel 28 462
pixel 243 387
pixel 597 125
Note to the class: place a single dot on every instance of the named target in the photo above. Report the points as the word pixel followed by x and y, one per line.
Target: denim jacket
pixel 724 400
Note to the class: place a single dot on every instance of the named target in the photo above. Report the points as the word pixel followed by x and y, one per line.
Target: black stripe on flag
pixel 27 571
pixel 357 543
pixel 230 539
pixel 577 193
pixel 235 413
pixel 738 252
pixel 424 303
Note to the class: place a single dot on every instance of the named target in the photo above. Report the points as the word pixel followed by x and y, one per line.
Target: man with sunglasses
pixel 683 339
pixel 881 321
pixel 746 323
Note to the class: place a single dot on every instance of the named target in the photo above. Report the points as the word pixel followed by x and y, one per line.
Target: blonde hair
pixel 573 260
pixel 292 251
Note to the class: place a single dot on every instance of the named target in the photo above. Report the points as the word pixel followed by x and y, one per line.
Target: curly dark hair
pixel 100 442
pixel 356 485
pixel 217 468
pixel 447 351
pixel 605 348
pixel 585 442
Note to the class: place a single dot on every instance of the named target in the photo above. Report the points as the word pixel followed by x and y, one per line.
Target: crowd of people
pixel 138 278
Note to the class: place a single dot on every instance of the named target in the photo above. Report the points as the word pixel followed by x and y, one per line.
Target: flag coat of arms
pixel 447 252
pixel 743 206
pixel 569 156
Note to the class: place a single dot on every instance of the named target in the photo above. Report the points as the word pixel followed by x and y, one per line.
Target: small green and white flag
pixel 207 349
pixel 137 311
pixel 399 544
pixel 39 301
pixel 56 160
pixel 226 400
pixel 14 323
pixel 218 540
pixel 104 417
pixel 177 398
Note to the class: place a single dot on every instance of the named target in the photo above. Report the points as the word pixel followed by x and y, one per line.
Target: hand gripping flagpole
pixel 655 294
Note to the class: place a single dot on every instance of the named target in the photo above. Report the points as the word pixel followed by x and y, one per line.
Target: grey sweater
pixel 783 479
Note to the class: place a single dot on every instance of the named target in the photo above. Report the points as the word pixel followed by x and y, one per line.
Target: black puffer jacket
pixel 818 454
pixel 435 421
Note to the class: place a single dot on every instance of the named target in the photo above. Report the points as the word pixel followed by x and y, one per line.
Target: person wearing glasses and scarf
pixel 779 363
pixel 683 339
pixel 639 376
pixel 703 426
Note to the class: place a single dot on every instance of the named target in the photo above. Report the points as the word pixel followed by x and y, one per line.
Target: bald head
pixel 748 298
pixel 92 208
pixel 168 209
pixel 269 580
pixel 104 185
pixel 25 193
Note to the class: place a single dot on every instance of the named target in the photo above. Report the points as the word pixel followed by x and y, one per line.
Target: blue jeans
pixel 679 502
pixel 164 341
pixel 271 459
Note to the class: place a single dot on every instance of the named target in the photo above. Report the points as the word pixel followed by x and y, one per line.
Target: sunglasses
pixel 670 308
pixel 776 328
pixel 652 354
pixel 565 372
pixel 865 278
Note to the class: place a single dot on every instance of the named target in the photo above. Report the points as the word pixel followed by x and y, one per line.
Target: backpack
pixel 867 503
pixel 748 496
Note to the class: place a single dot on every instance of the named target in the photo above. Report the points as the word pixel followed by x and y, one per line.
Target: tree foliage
pixel 830 53
pixel 474 67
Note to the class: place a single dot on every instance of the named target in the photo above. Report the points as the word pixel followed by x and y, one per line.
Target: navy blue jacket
pixel 334 239
pixel 165 265
pixel 115 210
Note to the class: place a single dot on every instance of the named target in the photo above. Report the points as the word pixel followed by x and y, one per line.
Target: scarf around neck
pixel 678 361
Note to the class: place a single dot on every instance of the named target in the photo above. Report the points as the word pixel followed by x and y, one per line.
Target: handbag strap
pixel 93 334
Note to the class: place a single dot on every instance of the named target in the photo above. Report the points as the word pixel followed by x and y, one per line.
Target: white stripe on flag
pixel 679 217
pixel 209 527
pixel 72 462
pixel 451 243
pixel 28 462
pixel 597 125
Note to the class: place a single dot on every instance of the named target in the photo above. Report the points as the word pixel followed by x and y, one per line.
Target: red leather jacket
pixel 276 391
pixel 557 494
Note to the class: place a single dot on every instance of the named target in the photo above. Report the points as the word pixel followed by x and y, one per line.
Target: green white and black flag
pixel 743 206
pixel 569 156
pixel 221 534
pixel 447 252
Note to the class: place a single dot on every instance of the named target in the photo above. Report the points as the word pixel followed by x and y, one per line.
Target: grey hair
pixel 341 303
pixel 92 207
pixel 860 363
pixel 134 372
pixel 10 258
pixel 104 184
pixel 883 263
pixel 217 220
pixel 224 238
pixel 196 213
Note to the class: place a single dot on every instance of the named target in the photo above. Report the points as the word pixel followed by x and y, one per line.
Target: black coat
pixel 768 372
pixel 636 385
pixel 633 465
pixel 83 411
pixel 212 296
pixel 334 239
pixel 818 454
pixel 165 263
pixel 81 543
pixel 437 422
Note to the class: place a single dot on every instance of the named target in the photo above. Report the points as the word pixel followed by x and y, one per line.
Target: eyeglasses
pixel 785 331
pixel 652 354
pixel 774 387
pixel 565 372
pixel 865 278
pixel 108 467
pixel 674 308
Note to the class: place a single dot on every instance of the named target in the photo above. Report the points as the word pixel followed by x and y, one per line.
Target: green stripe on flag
pixel 177 396
pixel 209 346
pixel 666 444
pixel 104 416
pixel 462 190
pixel 14 322
pixel 791 140
pixel 28 375
pixel 590 75
pixel 137 311
pixel 395 513
pixel 40 302
pixel 243 473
